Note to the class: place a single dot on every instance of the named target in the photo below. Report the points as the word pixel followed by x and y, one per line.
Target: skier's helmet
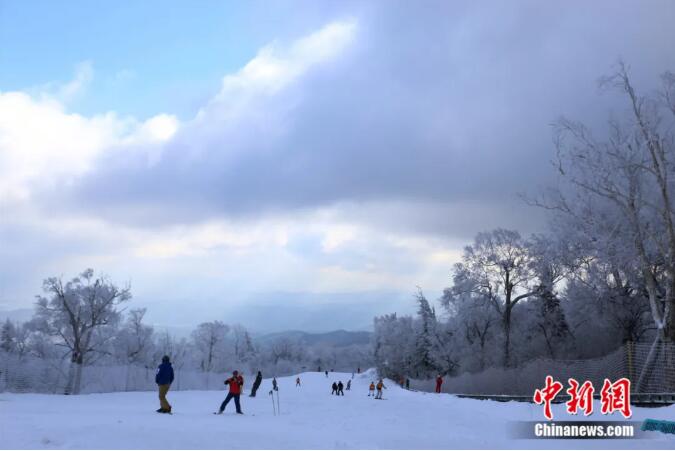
pixel 165 359
pixel 235 372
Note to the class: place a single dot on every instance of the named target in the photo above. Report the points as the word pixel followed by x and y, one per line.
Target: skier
pixel 407 383
pixel 340 389
pixel 358 370
pixel 349 385
pixel 335 389
pixel 256 384
pixel 236 383
pixel 297 381
pixel 371 389
pixel 380 386
pixel 326 373
pixel 163 379
pixel 274 384
pixel 439 382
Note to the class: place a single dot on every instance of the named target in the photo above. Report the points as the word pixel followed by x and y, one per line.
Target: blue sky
pixel 149 56
pixel 315 159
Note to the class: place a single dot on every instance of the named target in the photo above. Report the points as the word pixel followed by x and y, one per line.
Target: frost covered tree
pixel 623 183
pixel 552 262
pixel 432 354
pixel 394 345
pixel 425 334
pixel 8 336
pixel 244 349
pixel 285 348
pixel 607 294
pixel 498 267
pixel 208 340
pixel 135 339
pixel 76 315
pixel 476 326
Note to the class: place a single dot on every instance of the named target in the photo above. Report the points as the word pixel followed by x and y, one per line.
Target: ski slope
pixel 310 418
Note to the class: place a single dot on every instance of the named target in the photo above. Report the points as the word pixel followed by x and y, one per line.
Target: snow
pixel 310 418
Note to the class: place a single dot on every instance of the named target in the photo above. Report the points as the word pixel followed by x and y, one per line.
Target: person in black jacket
pixel 256 384
pixel 340 387
pixel 163 379
pixel 335 389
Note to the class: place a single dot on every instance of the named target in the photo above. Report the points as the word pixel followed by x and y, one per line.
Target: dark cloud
pixel 444 103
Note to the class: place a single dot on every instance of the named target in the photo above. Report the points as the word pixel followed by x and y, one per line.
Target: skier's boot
pixel 160 410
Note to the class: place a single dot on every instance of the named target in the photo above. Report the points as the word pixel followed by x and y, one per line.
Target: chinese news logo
pixel 614 397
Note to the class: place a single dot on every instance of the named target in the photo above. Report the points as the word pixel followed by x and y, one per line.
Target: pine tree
pixel 7 336
pixel 425 337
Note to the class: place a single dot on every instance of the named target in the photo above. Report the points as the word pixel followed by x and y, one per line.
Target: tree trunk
pixel 70 382
pixel 126 378
pixel 482 354
pixel 649 362
pixel 78 375
pixel 507 336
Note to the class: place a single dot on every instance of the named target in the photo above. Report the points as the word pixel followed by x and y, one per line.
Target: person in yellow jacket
pixel 371 390
pixel 380 386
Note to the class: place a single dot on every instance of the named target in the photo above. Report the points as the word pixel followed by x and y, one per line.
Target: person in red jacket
pixel 439 382
pixel 236 383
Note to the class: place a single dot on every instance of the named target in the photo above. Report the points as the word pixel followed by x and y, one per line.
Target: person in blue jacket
pixel 163 379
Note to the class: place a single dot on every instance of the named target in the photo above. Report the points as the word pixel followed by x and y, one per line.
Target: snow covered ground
pixel 310 418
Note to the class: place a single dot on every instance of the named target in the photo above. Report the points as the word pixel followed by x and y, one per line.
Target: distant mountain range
pixel 337 338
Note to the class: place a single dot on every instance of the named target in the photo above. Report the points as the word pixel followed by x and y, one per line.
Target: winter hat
pixel 235 372
pixel 165 359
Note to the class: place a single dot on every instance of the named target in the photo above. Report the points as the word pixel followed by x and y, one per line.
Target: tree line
pixel 84 321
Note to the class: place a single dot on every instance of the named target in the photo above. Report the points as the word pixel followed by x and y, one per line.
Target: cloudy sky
pixel 295 164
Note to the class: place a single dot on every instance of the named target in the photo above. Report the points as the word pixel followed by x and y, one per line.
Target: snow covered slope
pixel 310 418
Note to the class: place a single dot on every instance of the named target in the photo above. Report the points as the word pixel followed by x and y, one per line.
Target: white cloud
pixel 42 144
pixel 275 66
pixel 39 141
pixel 158 128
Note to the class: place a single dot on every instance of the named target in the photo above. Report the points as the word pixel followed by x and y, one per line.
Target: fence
pixel 30 374
pixel 628 361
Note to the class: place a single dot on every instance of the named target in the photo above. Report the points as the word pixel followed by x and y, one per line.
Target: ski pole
pixel 274 409
pixel 278 406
